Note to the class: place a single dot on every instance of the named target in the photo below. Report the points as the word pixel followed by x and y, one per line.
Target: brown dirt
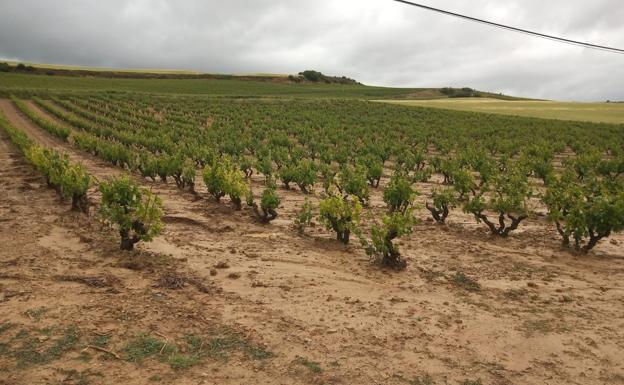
pixel 541 315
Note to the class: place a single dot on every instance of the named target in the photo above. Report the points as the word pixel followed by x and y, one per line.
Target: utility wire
pixel 520 30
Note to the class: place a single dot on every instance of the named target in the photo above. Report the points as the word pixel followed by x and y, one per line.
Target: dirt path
pixel 540 315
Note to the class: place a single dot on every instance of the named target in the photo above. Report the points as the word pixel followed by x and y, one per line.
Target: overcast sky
pixel 379 42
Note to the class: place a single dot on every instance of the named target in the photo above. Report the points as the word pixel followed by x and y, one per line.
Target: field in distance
pixel 587 112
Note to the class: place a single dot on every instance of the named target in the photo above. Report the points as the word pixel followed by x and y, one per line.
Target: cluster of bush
pixel 319 77
pixel 465 92
pixel 21 67
pixel 486 172
pixel 133 210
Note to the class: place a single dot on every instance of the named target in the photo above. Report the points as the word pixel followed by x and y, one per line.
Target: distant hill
pixel 313 83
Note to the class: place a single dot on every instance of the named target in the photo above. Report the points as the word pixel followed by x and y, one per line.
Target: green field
pixel 587 112
pixel 270 85
pixel 82 68
pixel 22 83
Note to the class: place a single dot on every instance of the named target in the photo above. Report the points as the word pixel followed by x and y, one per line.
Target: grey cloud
pixel 378 42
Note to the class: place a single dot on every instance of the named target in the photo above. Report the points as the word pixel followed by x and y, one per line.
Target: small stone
pixel 234 275
pixel 222 265
pixel 213 272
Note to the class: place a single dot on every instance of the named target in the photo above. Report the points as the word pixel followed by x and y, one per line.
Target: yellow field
pixel 589 112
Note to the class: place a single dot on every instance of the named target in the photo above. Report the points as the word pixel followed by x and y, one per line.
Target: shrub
pixel 423 175
pixel 184 174
pixel 352 181
pixel 246 166
pixel 50 163
pixel 586 212
pixel 75 182
pixel 341 214
pixel 399 193
pixel 147 165
pixel 328 176
pixel 463 182
pixel 304 175
pixel 381 246
pixel 268 204
pixel 506 197
pixel 215 177
pixel 442 202
pixel 287 175
pixel 235 186
pixel 166 166
pixel 136 212
pixel 374 170
pixel 264 165
pixel 303 217
pixel 59 131
pixel 71 180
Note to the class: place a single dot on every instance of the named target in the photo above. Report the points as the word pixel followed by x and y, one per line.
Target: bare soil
pixel 523 311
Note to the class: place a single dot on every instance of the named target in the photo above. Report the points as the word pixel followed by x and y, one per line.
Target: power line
pixel 519 30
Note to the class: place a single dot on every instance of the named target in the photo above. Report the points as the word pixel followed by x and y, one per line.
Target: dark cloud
pixel 376 41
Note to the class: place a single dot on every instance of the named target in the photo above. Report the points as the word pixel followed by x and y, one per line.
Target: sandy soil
pixel 329 316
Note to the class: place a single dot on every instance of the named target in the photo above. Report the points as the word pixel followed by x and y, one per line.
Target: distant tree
pixel 313 76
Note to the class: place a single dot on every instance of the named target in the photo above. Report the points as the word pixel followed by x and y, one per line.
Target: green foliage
pixel 303 218
pixel 18 137
pixel 183 172
pixel 269 203
pixel 158 135
pixel 423 175
pixel 59 131
pixel 264 165
pixel 507 196
pixel 341 214
pixel 381 247
pixel 328 176
pixel 442 202
pixel 305 175
pixel 187 175
pixel 224 178
pixel 246 166
pixel 75 182
pixel 31 352
pixel 352 181
pixel 235 187
pixel 287 175
pixel 399 193
pixel 71 180
pixel 538 160
pixel 136 212
pixel 144 346
pixel 374 170
pixel 463 182
pixel 586 211
pixel 317 77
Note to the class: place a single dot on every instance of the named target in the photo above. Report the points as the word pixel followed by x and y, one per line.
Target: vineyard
pixel 499 170
pixel 381 187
